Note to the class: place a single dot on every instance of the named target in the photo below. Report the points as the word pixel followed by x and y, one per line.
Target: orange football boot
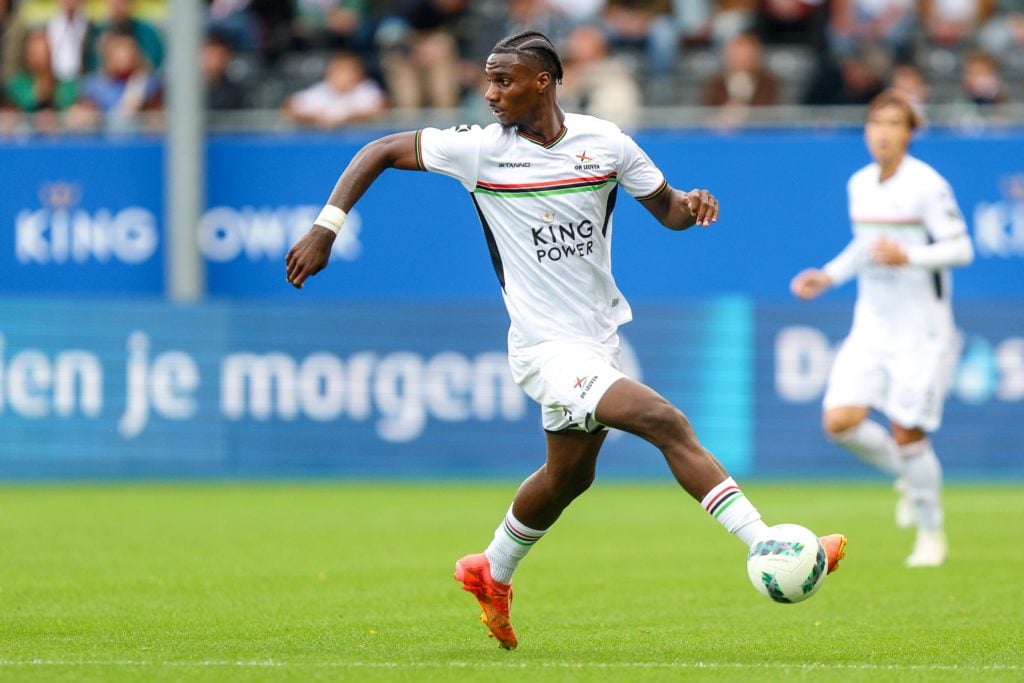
pixel 474 571
pixel 835 550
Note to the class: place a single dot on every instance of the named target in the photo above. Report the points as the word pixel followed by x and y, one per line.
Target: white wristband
pixel 331 217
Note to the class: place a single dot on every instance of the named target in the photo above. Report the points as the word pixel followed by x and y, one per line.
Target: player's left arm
pixel 949 244
pixel 678 210
pixel 675 209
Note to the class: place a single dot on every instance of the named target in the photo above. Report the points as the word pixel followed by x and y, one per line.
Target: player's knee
pixel 835 424
pixel 664 423
pixel 576 485
pixel 570 484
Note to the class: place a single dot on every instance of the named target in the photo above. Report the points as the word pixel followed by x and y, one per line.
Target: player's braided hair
pixel 535 46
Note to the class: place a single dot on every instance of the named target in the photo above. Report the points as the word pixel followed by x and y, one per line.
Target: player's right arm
pixel 310 254
pixel 813 282
pixel 810 283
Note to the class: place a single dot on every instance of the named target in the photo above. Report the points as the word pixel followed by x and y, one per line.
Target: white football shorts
pixel 567 379
pixel 908 387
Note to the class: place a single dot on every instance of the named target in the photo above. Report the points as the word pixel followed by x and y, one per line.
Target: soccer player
pixel 907 233
pixel 544 184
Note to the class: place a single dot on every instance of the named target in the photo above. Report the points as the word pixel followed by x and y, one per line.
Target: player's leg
pixel 638 409
pixel 914 407
pixel 923 476
pixel 850 428
pixel 568 471
pixel 858 380
pixel 567 380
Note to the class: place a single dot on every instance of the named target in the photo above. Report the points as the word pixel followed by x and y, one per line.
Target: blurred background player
pixel 907 233
pixel 535 168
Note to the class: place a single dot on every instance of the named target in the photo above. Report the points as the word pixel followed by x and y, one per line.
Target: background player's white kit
pixel 899 353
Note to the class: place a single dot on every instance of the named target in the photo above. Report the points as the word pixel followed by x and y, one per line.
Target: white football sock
pixel 726 503
pixel 512 540
pixel 923 474
pixel 873 444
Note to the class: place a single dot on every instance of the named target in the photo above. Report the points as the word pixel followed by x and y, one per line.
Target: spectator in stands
pixel 488 21
pixel 850 80
pixel 858 24
pixel 981 81
pixel 595 83
pixel 222 92
pixel 724 19
pixel 334 25
pixel 35 88
pixel 9 117
pixel 910 81
pixel 420 52
pixel 578 12
pixel 120 17
pixel 69 31
pixel 6 14
pixel 12 37
pixel 1004 31
pixel 124 86
pixel 744 80
pixel 645 26
pixel 953 23
pixel 491 21
pixel 800 22
pixel 262 26
pixel 232 18
pixel 343 97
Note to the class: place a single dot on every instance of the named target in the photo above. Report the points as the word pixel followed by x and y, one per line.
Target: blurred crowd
pixel 83 64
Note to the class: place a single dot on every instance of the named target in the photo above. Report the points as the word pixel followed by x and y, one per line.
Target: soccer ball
pixel 787 563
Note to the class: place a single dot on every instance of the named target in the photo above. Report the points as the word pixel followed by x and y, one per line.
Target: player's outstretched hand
pixel 810 283
pixel 309 255
pixel 703 207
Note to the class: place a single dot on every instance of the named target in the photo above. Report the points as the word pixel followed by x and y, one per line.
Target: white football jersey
pixel 915 207
pixel 546 212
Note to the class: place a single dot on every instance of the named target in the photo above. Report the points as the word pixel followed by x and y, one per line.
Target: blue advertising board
pixel 82 216
pixel 421 388
pixel 116 388
pixel 87 217
pixel 783 198
pixel 983 422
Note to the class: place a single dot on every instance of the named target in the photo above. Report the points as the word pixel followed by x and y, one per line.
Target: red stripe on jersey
pixel 547 183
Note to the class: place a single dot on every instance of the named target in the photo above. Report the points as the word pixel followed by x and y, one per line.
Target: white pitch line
pixel 269 664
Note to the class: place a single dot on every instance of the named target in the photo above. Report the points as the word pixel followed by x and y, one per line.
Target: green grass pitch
pixel 350 581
